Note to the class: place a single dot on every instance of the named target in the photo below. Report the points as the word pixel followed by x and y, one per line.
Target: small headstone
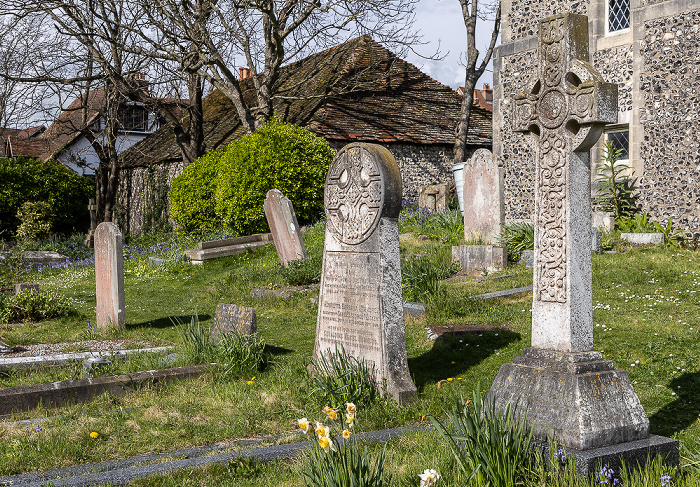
pixel 480 258
pixel 109 276
pixel 643 238
pixel 413 309
pixel 155 261
pixel 484 208
pixel 90 238
pixel 232 318
pixel 527 257
pixel 572 395
pixel 435 197
pixel 604 221
pixel 284 227
pixel 25 285
pixel 360 302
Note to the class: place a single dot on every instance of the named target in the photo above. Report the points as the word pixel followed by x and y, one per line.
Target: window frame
pixel 609 32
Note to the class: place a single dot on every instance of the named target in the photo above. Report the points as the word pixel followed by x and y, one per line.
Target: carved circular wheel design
pixel 552 109
pixel 354 196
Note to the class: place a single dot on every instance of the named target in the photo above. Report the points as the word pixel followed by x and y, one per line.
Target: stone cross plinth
pixel 284 227
pixel 570 392
pixel 360 302
pixel 109 276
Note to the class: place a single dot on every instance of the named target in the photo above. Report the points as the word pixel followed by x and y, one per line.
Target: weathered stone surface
pixel 484 214
pixel 643 238
pixel 284 227
pixel 435 197
pixel 571 393
pixel 25 285
pixel 479 258
pixel 43 257
pixel 360 302
pixel 527 258
pixel 603 221
pixel 596 240
pixel 109 276
pixel 232 318
pixel 215 249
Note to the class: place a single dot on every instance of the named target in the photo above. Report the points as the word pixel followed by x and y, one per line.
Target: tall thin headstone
pixel 484 214
pixel 360 302
pixel 571 393
pixel 109 276
pixel 90 238
pixel 284 227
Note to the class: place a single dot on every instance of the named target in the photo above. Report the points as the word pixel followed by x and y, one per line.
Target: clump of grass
pixel 517 237
pixel 338 378
pixel 303 272
pixel 34 305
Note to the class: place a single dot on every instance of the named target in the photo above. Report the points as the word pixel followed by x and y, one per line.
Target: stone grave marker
pixel 435 197
pixel 230 317
pixel 284 227
pixel 109 276
pixel 484 214
pixel 570 392
pixel 90 238
pixel 360 301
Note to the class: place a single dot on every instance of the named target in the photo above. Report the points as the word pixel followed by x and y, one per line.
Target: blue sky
pixel 440 22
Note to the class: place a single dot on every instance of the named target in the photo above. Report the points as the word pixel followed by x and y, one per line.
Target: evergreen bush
pixel 278 155
pixel 67 194
pixel 192 193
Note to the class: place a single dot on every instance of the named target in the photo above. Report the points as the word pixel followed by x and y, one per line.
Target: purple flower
pixel 665 480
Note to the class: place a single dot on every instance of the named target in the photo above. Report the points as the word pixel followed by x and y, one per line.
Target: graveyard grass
pixel 645 318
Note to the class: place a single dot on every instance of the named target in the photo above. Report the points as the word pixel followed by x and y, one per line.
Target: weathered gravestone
pixel 435 197
pixel 284 227
pixel 360 302
pixel 570 392
pixel 484 214
pixel 109 276
pixel 231 318
pixel 90 238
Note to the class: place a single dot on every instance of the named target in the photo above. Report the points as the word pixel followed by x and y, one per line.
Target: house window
pixel 620 141
pixel 133 118
pixel 618 15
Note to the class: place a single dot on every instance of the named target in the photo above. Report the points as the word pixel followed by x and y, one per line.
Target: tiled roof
pixel 356 91
pixel 22 142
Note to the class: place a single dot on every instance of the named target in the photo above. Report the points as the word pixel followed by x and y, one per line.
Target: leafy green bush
pixel 517 237
pixel 192 193
pixel 303 272
pixel 339 378
pixel 33 305
pixel 36 221
pixel 639 223
pixel 277 155
pixel 66 193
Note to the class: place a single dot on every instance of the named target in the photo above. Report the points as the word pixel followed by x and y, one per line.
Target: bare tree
pixel 213 37
pixel 471 13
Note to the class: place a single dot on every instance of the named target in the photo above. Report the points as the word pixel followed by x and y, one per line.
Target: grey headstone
pixel 643 238
pixel 478 258
pixel 484 208
pixel 604 221
pixel 360 302
pixel 25 285
pixel 527 257
pixel 413 309
pixel 596 240
pixel 570 392
pixel 155 261
pixel 232 318
pixel 284 227
pixel 109 276
pixel 434 197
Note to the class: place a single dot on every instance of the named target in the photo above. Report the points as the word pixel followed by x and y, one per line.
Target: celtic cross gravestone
pixel 572 395
pixel 360 303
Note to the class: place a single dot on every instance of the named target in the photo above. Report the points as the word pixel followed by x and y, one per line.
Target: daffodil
pixel 347 434
pixel 322 430
pixel 304 425
pixel 326 443
pixel 350 419
pixel 350 408
pixel 428 478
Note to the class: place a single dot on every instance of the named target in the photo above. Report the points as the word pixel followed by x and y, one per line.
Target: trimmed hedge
pixel 67 194
pixel 192 193
pixel 228 187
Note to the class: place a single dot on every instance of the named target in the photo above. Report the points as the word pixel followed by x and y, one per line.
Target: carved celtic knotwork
pixel 354 196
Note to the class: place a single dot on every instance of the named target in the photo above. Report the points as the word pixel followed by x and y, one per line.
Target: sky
pixel 440 22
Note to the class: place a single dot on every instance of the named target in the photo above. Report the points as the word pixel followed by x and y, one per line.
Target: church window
pixel 618 15
pixel 620 141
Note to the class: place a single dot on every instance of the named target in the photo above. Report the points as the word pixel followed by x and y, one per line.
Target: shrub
pixel 33 305
pixel 192 193
pixel 36 221
pixel 67 194
pixel 278 155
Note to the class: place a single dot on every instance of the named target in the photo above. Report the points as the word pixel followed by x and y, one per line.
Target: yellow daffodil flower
pixel 350 408
pixel 304 425
pixel 326 443
pixel 347 434
pixel 350 419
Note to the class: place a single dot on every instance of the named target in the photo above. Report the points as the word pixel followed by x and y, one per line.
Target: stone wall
pixel 522 19
pixel 143 192
pixel 670 115
pixel 617 66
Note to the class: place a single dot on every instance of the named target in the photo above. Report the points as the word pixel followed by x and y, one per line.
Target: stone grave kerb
pixel 360 300
pixel 109 276
pixel 572 395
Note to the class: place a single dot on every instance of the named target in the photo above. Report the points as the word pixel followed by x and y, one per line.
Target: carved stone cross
pixel 564 114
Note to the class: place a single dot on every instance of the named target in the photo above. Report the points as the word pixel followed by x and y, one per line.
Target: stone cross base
pixel 479 258
pixel 578 399
pixel 635 454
